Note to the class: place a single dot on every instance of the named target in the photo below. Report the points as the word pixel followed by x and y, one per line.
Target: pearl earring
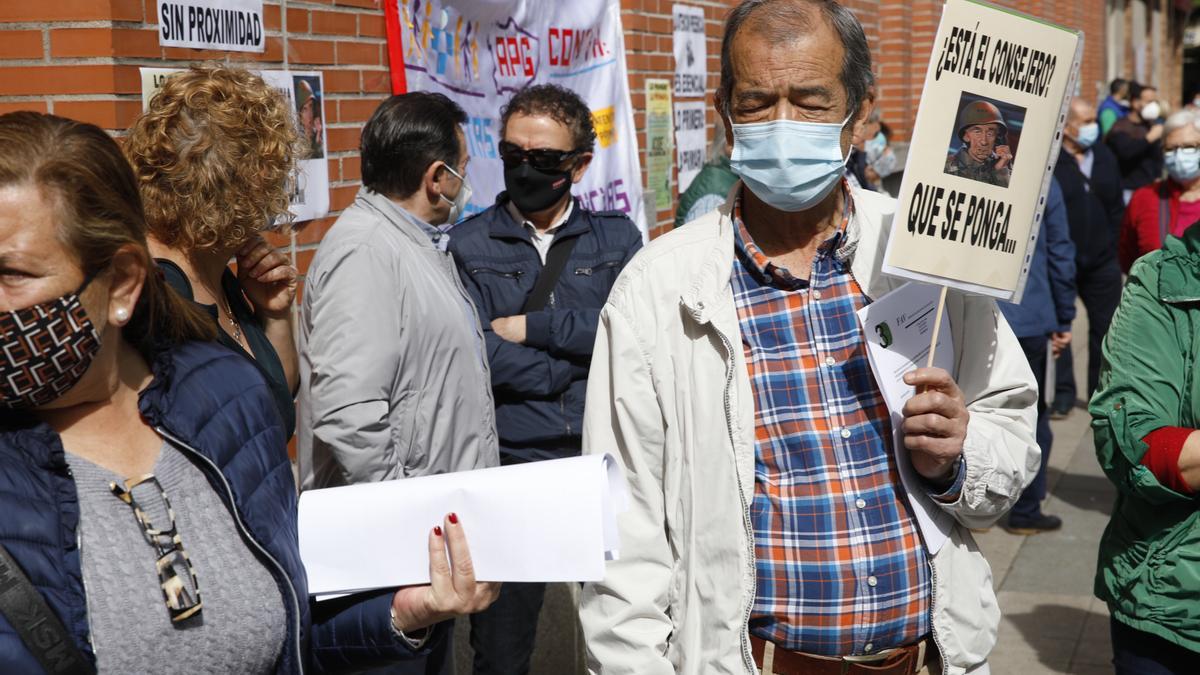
pixel 122 314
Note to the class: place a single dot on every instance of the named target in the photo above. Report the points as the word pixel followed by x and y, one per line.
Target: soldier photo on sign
pixel 983 145
pixel 309 112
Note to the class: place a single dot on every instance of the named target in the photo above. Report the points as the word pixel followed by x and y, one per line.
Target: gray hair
pixel 1180 120
pixel 782 19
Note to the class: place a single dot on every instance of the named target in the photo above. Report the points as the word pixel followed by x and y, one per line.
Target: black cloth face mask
pixel 532 190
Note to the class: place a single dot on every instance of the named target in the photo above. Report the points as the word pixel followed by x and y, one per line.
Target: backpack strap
pixel 38 627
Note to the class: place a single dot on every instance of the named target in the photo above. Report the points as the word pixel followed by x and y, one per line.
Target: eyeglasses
pixel 175 572
pixel 1186 149
pixel 542 159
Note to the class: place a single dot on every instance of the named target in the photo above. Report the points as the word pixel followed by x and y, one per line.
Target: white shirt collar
pixel 520 218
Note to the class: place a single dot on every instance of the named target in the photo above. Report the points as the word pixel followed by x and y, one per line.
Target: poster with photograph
pixel 986 138
pixel 305 94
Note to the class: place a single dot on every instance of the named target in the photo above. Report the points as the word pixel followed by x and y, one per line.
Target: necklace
pixel 237 328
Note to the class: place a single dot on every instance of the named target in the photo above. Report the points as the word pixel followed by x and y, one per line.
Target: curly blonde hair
pixel 214 157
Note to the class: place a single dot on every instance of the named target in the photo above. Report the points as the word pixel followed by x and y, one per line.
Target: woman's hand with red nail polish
pixel 452 590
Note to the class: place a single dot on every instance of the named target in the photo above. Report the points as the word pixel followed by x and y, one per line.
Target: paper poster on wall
pixel 227 25
pixel 691 51
pixel 986 139
pixel 659 143
pixel 304 92
pixel 691 140
pixel 480 53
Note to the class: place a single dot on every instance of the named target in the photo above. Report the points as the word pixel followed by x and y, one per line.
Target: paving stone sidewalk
pixel 1051 621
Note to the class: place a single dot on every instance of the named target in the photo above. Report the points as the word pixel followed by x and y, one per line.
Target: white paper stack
pixel 543 521
pixel 899 328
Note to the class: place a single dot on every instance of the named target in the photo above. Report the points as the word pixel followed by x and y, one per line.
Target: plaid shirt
pixel 840 564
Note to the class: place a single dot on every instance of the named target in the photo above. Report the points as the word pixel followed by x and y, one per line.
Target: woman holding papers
pixel 1145 416
pixel 149 506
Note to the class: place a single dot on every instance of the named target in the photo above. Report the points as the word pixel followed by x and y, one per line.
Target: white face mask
pixel 1151 111
pixel 459 203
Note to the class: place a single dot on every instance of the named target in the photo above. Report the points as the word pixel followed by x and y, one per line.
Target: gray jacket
pixel 393 377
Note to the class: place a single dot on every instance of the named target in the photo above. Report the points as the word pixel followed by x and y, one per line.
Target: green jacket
pixel 1149 562
pixel 708 190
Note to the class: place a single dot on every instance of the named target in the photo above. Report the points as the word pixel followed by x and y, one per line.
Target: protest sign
pixel 480 54
pixel 305 94
pixel 691 140
pixel 691 51
pixel 659 142
pixel 986 139
pixel 231 25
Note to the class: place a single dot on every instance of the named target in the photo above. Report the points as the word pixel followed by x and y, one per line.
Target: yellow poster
pixel 659 142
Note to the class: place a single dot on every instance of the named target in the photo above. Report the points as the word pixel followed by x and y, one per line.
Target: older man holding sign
pixel 769 526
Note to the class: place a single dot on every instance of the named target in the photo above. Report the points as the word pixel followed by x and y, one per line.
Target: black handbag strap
pixel 39 628
pixel 556 262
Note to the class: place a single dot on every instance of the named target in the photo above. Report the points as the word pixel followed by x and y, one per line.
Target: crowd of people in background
pixel 149 389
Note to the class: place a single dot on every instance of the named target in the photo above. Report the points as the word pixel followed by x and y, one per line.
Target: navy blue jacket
pixel 1095 206
pixel 539 386
pixel 1049 302
pixel 214 404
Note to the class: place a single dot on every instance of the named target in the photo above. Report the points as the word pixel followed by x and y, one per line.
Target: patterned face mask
pixel 45 350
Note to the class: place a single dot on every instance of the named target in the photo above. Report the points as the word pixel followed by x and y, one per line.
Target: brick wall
pixel 900 33
pixel 80 58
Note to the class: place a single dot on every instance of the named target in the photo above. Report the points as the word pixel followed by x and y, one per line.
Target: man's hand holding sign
pixel 935 424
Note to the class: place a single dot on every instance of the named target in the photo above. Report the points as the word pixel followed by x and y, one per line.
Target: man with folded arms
pixel 539 266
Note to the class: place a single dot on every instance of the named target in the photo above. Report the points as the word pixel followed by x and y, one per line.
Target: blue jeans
pixel 1139 653
pixel 1029 506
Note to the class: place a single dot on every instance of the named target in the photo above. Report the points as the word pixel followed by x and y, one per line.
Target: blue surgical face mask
pixel 1183 164
pixel 790 165
pixel 1088 135
pixel 875 147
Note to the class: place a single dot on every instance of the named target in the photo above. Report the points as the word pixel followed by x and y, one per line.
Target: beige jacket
pixel 669 395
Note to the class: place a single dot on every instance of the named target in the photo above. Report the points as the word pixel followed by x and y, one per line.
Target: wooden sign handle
pixel 937 326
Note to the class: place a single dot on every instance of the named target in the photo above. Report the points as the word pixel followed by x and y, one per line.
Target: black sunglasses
pixel 542 159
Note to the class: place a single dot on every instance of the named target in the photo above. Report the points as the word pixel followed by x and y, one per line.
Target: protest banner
pixel 691 51
pixel 659 143
pixel 230 25
pixel 986 139
pixel 691 140
pixel 480 53
pixel 305 94
pixel 691 81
